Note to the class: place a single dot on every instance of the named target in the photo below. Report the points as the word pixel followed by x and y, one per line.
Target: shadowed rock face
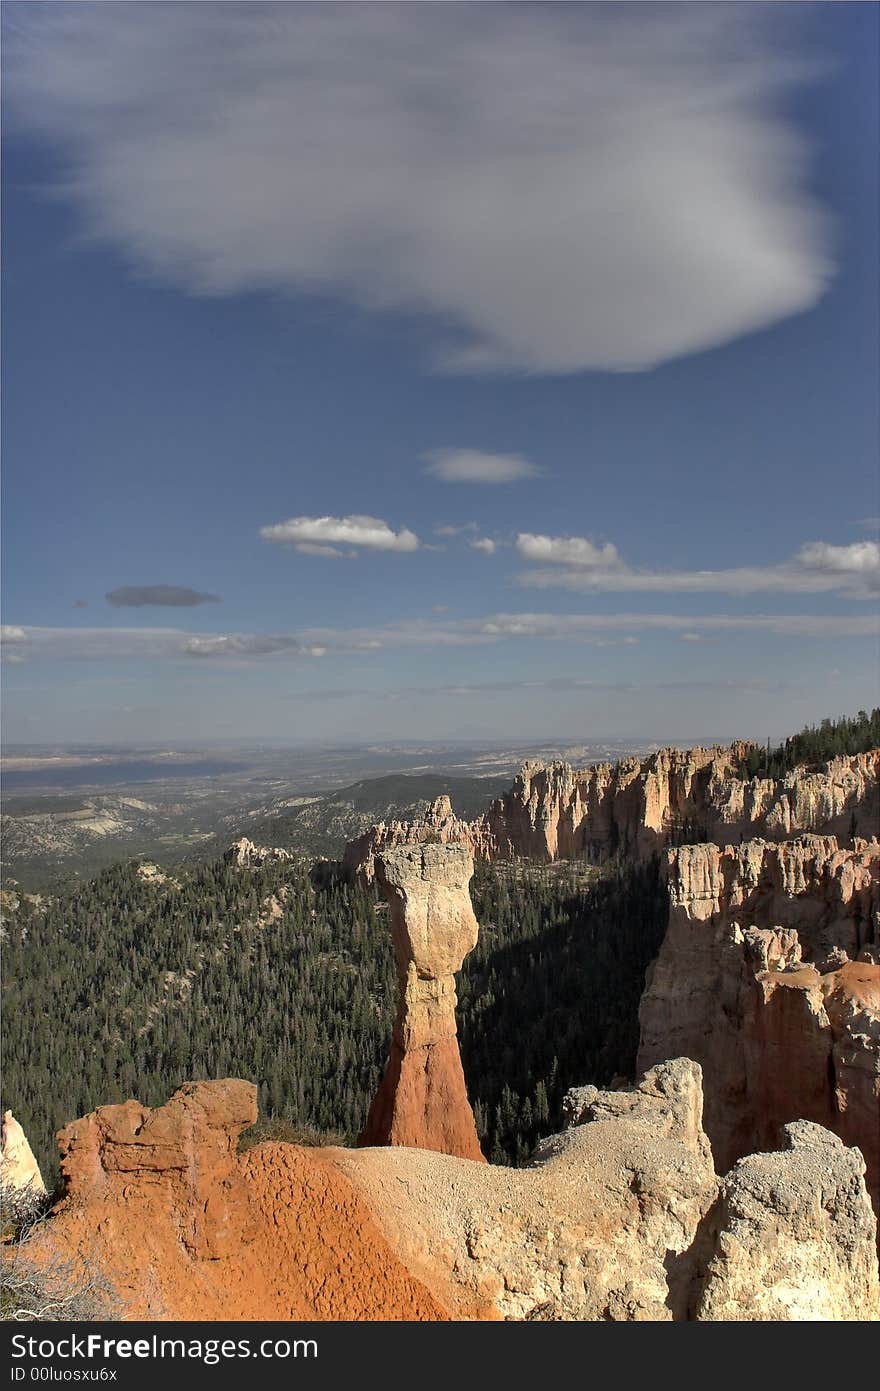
pixel 422 1101
pixel 779 1038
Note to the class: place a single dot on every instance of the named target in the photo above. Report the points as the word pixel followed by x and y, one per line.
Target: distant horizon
pixel 280 742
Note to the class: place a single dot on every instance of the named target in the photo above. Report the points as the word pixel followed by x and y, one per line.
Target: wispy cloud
pixel 560 186
pixel 172 596
pixel 572 626
pixel 476 466
pixel 585 684
pixel 153 644
pixel 248 645
pixel 818 567
pixel 460 530
pixel 324 535
pixel 597 629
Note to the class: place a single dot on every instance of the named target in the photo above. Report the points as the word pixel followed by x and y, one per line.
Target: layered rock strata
pixel 639 807
pixel 422 1100
pixel 779 1037
pixel 619 1217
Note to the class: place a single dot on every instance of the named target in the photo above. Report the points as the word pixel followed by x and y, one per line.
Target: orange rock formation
pixel 620 1217
pixel 184 1227
pixel 422 1100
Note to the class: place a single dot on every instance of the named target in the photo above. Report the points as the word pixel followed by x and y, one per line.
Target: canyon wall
pixel 639 807
pixel 769 977
pixel 619 1217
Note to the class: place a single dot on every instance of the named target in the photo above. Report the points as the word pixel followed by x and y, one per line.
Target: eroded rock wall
pixel 641 807
pixel 768 977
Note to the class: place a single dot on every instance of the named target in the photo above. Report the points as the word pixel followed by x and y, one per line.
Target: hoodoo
pixel 422 1100
pixel 19 1171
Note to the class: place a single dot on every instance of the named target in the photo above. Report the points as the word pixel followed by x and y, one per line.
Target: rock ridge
pixel 621 1217
pixel 642 807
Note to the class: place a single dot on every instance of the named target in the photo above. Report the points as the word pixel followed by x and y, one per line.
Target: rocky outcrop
pixel 792 1236
pixel 619 1217
pixel 422 1100
pixel 641 807
pixel 186 1148
pixel 163 1208
pixel 20 1178
pixel 245 855
pixel 779 1038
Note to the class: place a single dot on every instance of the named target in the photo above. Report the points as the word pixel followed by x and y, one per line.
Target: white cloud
pixel 323 535
pixel 484 544
pixel 860 558
pixel 476 466
pixel 10 633
pixel 818 567
pixel 557 187
pixel 566 550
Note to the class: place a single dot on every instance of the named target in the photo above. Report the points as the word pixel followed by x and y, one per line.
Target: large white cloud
pixel 560 186
pixel 323 535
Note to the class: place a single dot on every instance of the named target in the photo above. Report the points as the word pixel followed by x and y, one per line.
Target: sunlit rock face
pixel 641 807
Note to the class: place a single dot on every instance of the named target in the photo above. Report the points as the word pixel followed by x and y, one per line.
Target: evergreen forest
pixel 127 987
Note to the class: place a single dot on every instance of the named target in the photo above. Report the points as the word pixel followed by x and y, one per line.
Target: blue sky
pixel 435 372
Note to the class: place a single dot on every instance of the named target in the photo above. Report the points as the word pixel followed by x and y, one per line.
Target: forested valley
pixel 127 986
